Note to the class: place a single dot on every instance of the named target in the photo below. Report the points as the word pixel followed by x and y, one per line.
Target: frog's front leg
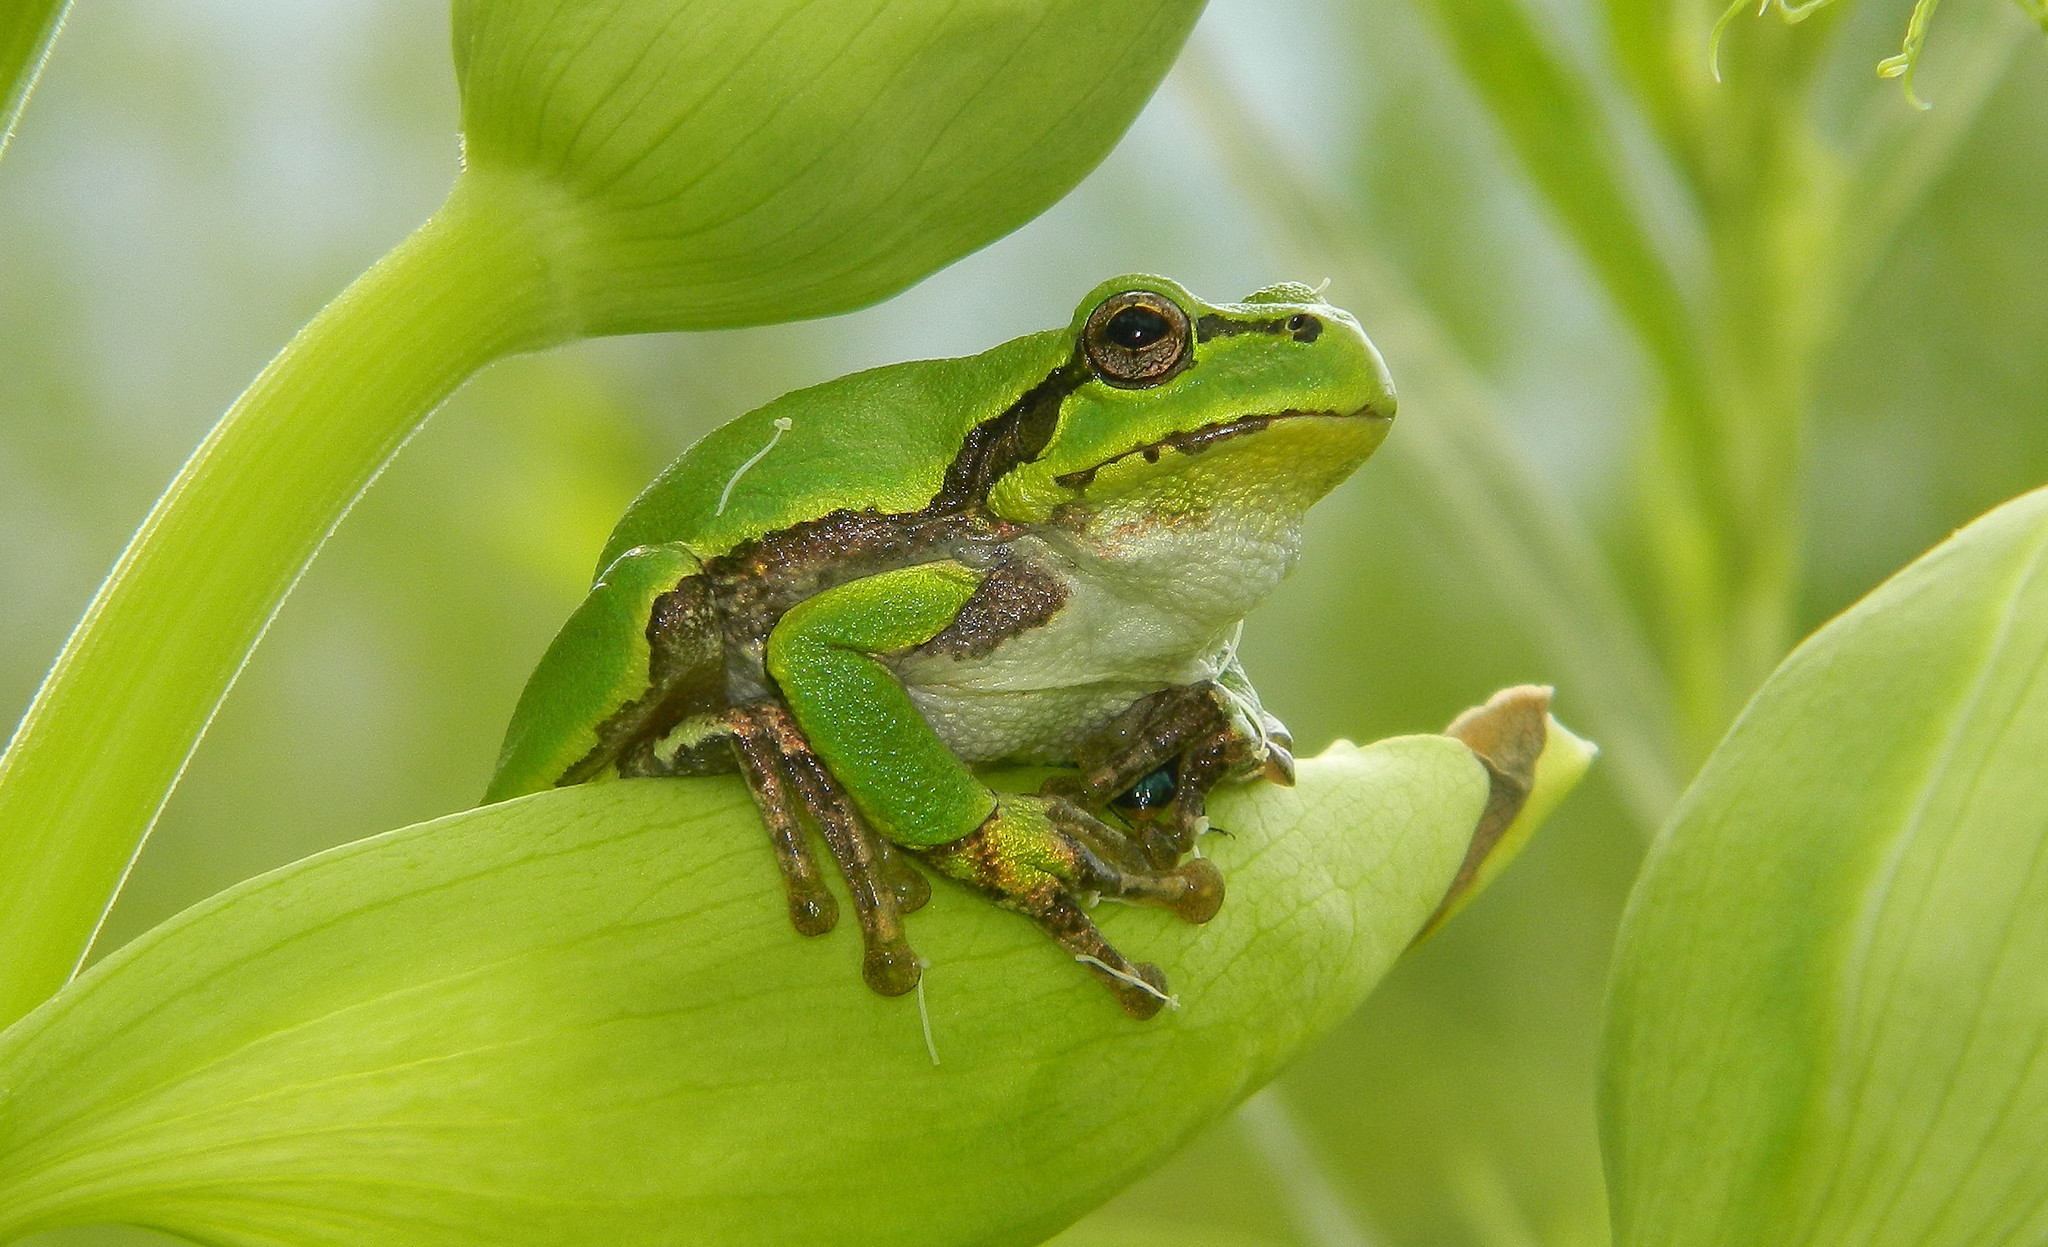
pixel 1031 853
pixel 1193 736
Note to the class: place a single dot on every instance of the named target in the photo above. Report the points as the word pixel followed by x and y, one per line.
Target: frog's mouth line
pixel 1195 441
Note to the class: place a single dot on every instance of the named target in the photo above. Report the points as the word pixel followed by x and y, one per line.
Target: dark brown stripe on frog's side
pixel 685 676
pixel 1015 436
pixel 756 582
pixel 1014 598
pixel 1214 326
pixel 1192 442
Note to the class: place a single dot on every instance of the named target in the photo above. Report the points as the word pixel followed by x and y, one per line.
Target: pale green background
pixel 196 176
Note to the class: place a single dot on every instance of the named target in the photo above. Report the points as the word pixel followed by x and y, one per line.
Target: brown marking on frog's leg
pixel 1037 870
pixel 812 909
pixel 1015 597
pixel 887 962
pixel 1187 727
pixel 1507 735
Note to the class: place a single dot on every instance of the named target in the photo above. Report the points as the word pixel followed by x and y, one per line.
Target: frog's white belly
pixel 1142 612
pixel 1041 693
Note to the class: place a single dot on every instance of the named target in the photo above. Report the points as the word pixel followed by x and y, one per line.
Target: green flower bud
pixel 698 163
pixel 583 1017
pixel 1830 997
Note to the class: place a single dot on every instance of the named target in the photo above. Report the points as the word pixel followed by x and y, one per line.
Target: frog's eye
pixel 1136 339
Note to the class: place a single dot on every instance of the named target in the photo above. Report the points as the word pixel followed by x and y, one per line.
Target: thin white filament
pixel 782 424
pixel 1172 1002
pixel 924 1015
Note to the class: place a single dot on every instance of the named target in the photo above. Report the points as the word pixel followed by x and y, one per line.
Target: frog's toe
pixel 890 969
pixel 1201 891
pixel 813 914
pixel 1141 991
pixel 912 889
pixel 1139 987
pixel 879 881
pixel 1095 857
pixel 812 909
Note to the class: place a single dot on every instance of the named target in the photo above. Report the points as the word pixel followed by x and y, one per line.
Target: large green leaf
pixel 1829 1008
pixel 582 1017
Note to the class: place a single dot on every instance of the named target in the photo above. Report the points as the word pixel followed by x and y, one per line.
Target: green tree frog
pixel 861 592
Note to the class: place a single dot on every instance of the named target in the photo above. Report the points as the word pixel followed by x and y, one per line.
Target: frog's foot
pixel 879 880
pixel 1035 854
pixel 1157 761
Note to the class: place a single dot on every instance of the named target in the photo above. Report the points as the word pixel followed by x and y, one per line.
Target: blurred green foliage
pixel 194 180
pixel 1827 1007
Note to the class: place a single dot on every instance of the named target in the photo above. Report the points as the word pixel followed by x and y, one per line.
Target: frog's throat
pixel 1195 441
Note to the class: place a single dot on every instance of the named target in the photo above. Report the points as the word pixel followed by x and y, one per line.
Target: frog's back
pixel 880 439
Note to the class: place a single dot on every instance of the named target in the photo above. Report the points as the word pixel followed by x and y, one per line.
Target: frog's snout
pixel 1372 386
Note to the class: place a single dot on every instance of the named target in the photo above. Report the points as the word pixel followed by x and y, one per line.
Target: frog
pixel 866 594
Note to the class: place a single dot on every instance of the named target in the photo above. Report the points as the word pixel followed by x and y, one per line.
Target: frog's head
pixel 1178 407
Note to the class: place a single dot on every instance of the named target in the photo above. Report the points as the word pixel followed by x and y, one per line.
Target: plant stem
pixel 27 28
pixel 117 718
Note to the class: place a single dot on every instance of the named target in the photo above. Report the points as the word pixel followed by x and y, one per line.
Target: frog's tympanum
pixel 860 593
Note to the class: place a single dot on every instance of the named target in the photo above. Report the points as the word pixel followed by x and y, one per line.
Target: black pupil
pixel 1136 327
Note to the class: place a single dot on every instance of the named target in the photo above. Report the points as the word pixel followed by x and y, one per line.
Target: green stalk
pixel 27 28
pixel 114 723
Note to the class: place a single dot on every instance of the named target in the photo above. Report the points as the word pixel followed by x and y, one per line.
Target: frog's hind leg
pixel 1039 866
pixel 882 884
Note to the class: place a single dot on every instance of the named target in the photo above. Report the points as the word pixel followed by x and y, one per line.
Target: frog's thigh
pixel 905 781
pixel 573 715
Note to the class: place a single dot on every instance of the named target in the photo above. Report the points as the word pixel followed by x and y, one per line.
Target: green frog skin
pixel 861 592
